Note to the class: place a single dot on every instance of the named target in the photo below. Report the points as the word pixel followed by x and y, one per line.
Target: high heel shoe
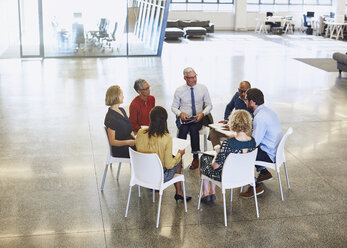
pixel 179 197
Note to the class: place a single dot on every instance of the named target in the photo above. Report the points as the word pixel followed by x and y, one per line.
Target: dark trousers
pixel 193 130
pixel 262 156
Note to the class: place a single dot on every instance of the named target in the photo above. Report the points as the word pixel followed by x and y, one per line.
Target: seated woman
pixel 241 123
pixel 141 105
pixel 118 124
pixel 156 139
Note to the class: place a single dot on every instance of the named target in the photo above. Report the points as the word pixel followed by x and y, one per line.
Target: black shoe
pixel 206 199
pixel 213 198
pixel 179 197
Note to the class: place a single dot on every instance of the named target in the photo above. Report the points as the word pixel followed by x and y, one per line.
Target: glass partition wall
pixel 80 28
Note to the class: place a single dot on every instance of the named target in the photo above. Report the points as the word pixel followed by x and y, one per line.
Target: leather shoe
pixel 206 199
pixel 195 164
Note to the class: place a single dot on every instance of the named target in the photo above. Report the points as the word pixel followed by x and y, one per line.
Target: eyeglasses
pixel 146 89
pixel 192 76
pixel 242 91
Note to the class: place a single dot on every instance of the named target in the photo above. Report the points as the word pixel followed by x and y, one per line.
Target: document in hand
pixel 189 120
pixel 179 144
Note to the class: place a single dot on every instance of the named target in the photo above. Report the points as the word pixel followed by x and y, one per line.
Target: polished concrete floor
pixel 53 148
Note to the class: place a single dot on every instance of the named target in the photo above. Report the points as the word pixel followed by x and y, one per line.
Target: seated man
pixel 237 102
pixel 267 133
pixel 188 102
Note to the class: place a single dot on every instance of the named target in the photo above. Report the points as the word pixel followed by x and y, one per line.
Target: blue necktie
pixel 193 101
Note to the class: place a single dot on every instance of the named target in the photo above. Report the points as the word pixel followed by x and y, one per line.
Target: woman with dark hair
pixel 118 124
pixel 141 105
pixel 156 139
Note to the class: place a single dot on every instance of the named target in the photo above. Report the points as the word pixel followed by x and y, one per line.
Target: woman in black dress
pixel 241 123
pixel 118 124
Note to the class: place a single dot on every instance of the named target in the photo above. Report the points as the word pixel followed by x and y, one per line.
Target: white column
pixel 240 14
pixel 339 7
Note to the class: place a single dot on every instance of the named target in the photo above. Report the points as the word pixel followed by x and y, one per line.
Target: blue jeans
pixel 193 130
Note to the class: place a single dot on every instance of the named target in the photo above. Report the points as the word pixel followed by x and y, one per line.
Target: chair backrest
pixel 280 156
pixel 114 31
pixel 108 142
pixel 238 169
pixel 103 25
pixel 146 169
pixel 305 22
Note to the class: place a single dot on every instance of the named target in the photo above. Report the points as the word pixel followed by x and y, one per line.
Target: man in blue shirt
pixel 237 102
pixel 267 133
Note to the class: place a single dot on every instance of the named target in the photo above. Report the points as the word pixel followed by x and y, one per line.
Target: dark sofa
pixel 187 27
pixel 341 62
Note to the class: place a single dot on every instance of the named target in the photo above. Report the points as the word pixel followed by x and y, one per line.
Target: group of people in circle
pixel 254 126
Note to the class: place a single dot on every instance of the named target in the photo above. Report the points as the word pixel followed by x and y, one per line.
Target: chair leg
pixel 126 211
pixel 153 195
pixel 279 182
pixel 231 195
pixel 159 206
pixel 205 142
pixel 139 189
pixel 225 210
pixel 241 189
pixel 104 178
pixel 184 196
pixel 256 201
pixel 119 165
pixel 200 194
pixel 285 170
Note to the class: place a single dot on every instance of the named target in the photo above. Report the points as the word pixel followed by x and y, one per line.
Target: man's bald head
pixel 244 86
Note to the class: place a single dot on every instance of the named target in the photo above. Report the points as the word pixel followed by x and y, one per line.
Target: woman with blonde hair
pixel 241 123
pixel 118 124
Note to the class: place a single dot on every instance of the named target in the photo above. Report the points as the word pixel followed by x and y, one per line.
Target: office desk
pixel 335 29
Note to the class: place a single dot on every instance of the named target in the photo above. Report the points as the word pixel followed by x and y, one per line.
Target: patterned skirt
pixel 207 169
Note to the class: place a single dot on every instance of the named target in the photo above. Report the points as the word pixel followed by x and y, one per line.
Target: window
pixel 285 5
pixel 291 2
pixel 201 5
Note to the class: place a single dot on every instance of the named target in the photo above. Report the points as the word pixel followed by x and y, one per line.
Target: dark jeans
pixel 193 130
pixel 262 156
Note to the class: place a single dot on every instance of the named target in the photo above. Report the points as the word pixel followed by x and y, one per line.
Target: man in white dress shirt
pixel 189 100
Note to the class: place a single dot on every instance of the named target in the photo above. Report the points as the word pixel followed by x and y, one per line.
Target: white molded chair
pixel 147 171
pixel 280 159
pixel 110 159
pixel 238 170
pixel 204 131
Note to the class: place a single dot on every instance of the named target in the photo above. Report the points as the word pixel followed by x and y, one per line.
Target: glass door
pixel 30 18
pixel 82 28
